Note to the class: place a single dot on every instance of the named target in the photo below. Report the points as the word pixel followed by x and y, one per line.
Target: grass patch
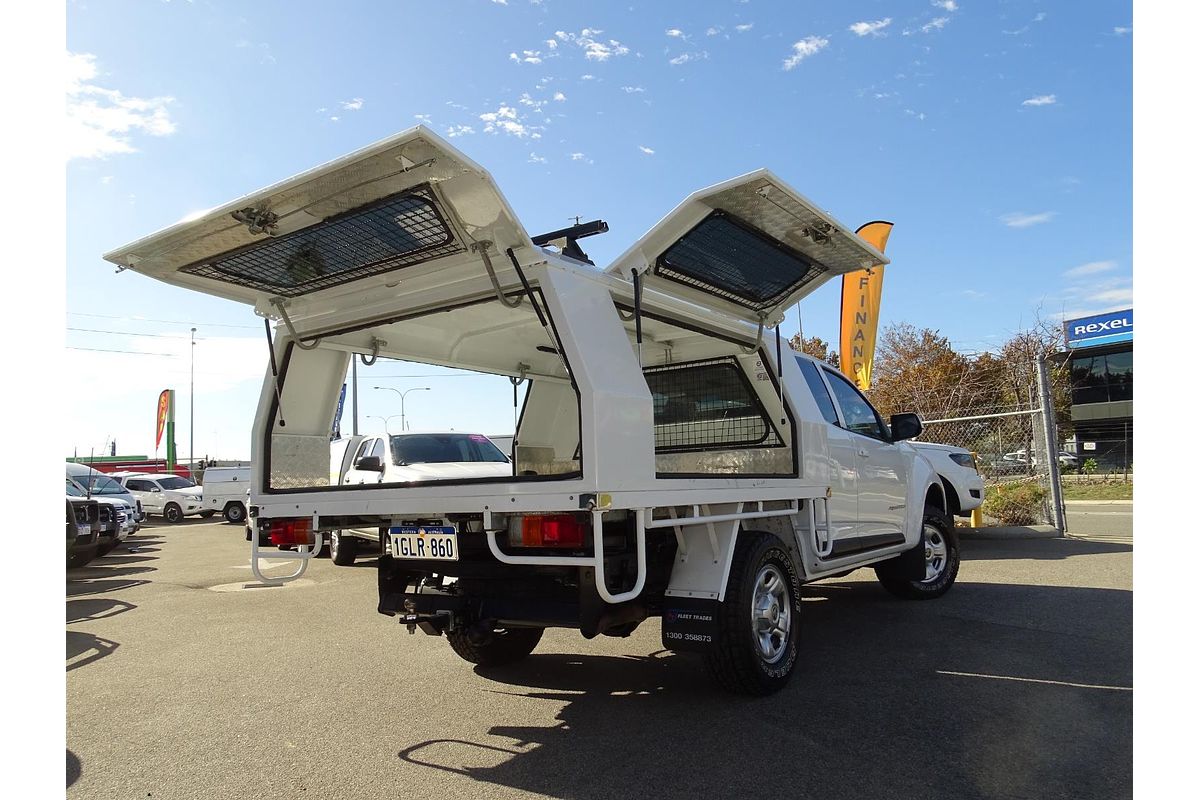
pixel 1118 490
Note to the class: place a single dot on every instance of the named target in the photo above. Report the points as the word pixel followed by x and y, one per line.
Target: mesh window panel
pixel 707 405
pixel 731 259
pixel 397 231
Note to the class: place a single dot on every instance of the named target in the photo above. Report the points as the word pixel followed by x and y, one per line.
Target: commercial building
pixel 1100 357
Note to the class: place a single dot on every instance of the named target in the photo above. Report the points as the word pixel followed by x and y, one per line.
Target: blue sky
pixel 997 136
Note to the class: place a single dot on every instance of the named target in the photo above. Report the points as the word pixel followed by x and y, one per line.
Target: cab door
pixel 148 492
pixel 882 467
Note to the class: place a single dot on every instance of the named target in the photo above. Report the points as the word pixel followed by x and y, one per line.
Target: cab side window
pixel 362 450
pixel 860 416
pixel 138 486
pixel 377 450
pixel 812 376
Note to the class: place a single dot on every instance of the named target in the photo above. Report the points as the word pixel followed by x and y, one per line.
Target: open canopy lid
pixel 751 247
pixel 410 202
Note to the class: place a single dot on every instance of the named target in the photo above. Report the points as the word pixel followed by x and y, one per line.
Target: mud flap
pixel 690 624
pixel 909 565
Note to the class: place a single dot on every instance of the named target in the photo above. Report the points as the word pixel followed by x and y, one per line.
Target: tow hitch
pixel 432 623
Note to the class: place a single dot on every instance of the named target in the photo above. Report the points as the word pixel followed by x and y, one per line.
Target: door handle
pixel 864 454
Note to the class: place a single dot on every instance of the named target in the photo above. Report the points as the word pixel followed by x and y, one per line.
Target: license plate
pixel 433 543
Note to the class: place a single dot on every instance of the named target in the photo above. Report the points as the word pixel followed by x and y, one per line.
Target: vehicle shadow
pixel 74 768
pixel 974 549
pixel 890 699
pixel 96 609
pixel 86 648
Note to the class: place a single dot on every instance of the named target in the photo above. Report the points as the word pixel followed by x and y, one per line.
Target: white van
pixel 225 492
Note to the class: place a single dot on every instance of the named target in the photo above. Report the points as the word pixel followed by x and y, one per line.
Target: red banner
pixel 164 405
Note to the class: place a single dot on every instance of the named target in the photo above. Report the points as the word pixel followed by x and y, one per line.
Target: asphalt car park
pixel 187 679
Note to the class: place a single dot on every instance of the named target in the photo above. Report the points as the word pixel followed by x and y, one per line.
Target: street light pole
pixel 385 421
pixel 192 410
pixel 403 424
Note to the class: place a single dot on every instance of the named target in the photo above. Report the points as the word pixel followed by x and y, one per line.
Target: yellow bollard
pixel 977 518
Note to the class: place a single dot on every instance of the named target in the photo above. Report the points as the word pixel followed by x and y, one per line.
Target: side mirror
pixel 155 489
pixel 905 426
pixel 369 463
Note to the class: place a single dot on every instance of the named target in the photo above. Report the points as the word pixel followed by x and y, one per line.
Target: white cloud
pixel 101 122
pixel 1019 219
pixel 645 150
pixel 713 31
pixel 947 5
pixel 587 77
pixel 577 156
pixel 559 96
pixel 743 28
pixel 552 44
pixel 593 49
pixel 675 33
pixel 1090 268
pixel 1040 100
pixel 352 105
pixel 1041 15
pixel 686 57
pixel 1123 31
pixel 973 294
pixel 803 49
pixel 632 89
pixel 1122 296
pixel 934 24
pixel 500 2
pixel 870 28
pixel 527 57
pixel 459 130
pixel 534 158
pixel 504 119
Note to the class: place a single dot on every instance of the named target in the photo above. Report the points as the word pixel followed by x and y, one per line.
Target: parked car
pixel 224 492
pixel 1065 460
pixel 410 457
pixel 117 518
pixel 172 496
pixel 959 473
pixel 101 486
pixel 83 518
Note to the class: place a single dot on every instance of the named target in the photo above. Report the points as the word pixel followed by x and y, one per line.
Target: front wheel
pixel 173 513
pixel 498 648
pixel 759 620
pixel 235 513
pixel 941 557
pixel 342 549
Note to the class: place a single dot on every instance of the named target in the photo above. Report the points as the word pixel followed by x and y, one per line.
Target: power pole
pixel 1051 430
pixel 192 410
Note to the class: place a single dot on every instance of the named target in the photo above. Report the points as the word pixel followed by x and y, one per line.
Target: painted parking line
pixel 1035 680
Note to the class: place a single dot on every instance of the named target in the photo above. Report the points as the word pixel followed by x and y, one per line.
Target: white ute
pixel 673 458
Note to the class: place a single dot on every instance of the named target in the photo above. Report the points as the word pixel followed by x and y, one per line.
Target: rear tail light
pixel 291 532
pixel 548 530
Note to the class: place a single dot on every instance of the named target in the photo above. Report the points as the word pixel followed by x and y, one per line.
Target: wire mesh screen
pixel 398 231
pixel 733 260
pixel 707 405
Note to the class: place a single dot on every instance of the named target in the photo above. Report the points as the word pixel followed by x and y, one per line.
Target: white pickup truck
pixel 673 458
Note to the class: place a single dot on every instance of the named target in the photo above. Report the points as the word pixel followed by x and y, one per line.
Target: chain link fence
pixel 1017 451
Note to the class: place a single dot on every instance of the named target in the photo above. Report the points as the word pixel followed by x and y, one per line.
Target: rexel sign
pixel 1115 326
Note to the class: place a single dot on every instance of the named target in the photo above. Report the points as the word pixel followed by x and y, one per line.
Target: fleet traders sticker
pixel 690 624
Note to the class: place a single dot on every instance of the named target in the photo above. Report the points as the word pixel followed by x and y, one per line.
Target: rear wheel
pixel 173 513
pixel 501 647
pixel 342 549
pixel 759 620
pixel 235 513
pixel 941 562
